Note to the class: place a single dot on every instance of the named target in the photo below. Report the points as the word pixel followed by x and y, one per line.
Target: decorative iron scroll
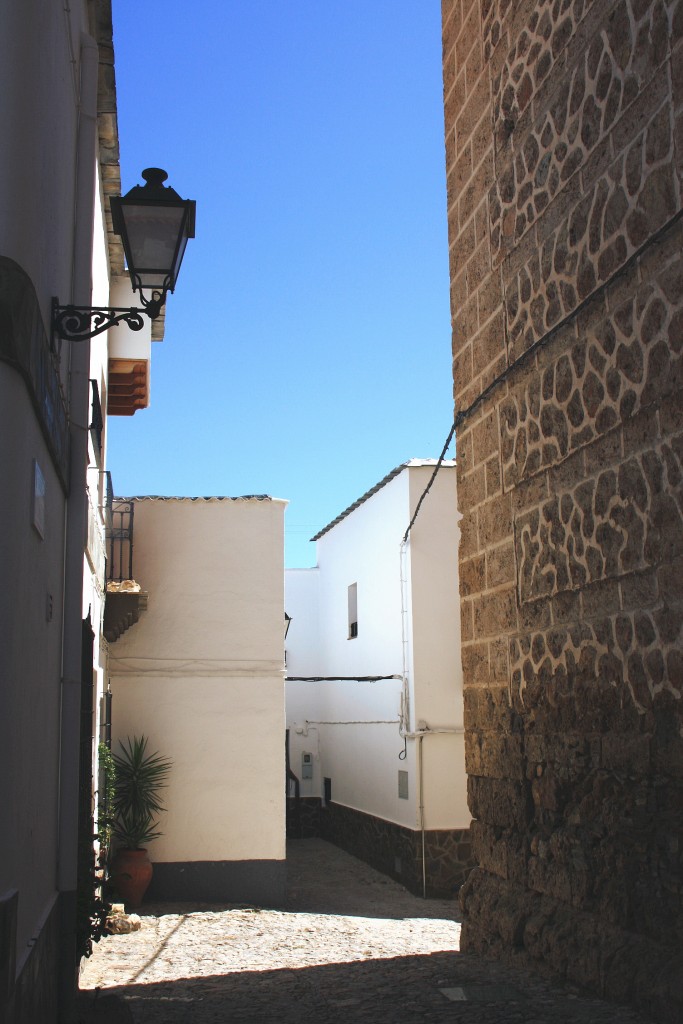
pixel 79 323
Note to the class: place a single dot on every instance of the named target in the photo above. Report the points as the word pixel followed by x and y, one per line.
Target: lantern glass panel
pixel 156 242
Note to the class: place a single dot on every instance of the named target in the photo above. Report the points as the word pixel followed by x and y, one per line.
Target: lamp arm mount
pixel 80 323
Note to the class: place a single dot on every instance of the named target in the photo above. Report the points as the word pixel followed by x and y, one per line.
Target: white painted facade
pixel 407 627
pixel 59 158
pixel 48 170
pixel 201 674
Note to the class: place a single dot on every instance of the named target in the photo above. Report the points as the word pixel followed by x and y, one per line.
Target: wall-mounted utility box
pixel 306 765
pixel 403 785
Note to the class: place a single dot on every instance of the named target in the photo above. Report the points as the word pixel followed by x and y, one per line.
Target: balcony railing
pixel 120 541
pixel 125 600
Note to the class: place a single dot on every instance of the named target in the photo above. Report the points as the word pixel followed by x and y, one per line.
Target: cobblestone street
pixel 351 946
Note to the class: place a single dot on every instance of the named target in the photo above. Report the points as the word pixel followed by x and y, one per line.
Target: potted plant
pixel 139 778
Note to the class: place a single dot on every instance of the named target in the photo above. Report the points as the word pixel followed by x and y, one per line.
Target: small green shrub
pixel 139 778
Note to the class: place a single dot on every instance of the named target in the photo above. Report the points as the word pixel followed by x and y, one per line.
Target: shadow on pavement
pixel 322 879
pixel 372 992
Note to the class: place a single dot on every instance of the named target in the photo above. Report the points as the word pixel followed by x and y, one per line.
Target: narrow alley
pixel 351 946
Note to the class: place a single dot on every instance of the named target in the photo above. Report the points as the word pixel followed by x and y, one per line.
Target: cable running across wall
pixel 537 345
pixel 380 721
pixel 338 679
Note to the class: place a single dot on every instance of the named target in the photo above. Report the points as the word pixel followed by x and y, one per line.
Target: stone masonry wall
pixel 390 848
pixel 564 152
pixel 397 851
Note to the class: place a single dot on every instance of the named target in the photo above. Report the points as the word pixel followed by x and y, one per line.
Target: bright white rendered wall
pixel 123 342
pixel 36 216
pixel 30 661
pixel 302 647
pixel 201 673
pixel 362 760
pixel 435 645
pixel 38 125
pixel 93 582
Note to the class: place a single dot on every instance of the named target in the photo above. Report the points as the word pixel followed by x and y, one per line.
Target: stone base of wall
pixel 245 881
pixel 397 851
pixel 521 927
pixel 303 817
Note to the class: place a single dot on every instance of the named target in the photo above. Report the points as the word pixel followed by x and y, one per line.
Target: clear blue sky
pixel 307 347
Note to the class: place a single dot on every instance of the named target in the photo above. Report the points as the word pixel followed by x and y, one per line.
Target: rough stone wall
pixel 564 150
pixel 303 817
pixel 397 851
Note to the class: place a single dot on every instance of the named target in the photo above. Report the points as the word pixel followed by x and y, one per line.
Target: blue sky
pixel 307 347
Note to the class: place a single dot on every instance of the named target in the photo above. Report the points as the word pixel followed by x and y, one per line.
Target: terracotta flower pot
pixel 131 873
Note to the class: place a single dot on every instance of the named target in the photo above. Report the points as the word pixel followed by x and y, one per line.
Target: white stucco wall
pixel 123 342
pixel 435 644
pixel 201 673
pixel 362 760
pixel 303 659
pixel 93 578
pixel 30 662
pixel 303 637
pixel 40 54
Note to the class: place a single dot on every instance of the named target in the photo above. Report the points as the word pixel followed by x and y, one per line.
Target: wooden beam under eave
pixel 128 387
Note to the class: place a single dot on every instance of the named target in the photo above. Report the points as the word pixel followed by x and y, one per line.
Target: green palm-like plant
pixel 139 777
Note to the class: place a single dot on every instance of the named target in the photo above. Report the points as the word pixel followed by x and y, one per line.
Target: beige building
pixel 200 673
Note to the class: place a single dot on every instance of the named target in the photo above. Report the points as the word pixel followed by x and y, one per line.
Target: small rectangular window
pixel 353 611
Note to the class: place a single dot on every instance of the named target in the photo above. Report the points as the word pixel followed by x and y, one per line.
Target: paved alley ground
pixel 352 946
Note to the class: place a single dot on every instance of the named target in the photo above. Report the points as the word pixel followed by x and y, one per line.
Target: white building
pixel 58 168
pixel 385 756
pixel 201 675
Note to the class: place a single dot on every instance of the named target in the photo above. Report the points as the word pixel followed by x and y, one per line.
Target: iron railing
pixel 119 517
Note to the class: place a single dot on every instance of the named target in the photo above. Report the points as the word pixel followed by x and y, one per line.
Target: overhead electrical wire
pixel 338 679
pixel 537 345
pixel 379 721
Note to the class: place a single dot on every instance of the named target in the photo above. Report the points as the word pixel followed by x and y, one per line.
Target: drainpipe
pixel 423 729
pixel 422 814
pixel 419 735
pixel 76 527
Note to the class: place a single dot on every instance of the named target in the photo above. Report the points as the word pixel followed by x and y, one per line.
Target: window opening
pixel 353 611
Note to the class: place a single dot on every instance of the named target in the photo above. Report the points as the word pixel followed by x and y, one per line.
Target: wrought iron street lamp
pixel 154 224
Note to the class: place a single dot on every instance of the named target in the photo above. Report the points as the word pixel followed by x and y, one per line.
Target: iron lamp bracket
pixel 81 323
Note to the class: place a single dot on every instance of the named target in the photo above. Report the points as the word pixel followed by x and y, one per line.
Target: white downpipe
pixel 423 729
pixel 419 736
pixel 422 815
pixel 405 695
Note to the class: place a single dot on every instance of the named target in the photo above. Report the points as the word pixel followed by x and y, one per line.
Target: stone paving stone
pixel 351 946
